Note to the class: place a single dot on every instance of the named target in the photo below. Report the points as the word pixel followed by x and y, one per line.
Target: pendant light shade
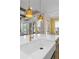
pixel 40 17
pixel 28 13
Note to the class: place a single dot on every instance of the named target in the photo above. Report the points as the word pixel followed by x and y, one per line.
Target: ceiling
pixel 49 6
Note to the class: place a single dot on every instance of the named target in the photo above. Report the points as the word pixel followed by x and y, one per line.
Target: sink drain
pixel 41 48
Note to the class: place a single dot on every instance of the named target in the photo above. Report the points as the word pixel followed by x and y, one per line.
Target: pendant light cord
pixel 46 9
pixel 46 6
pixel 29 2
pixel 40 5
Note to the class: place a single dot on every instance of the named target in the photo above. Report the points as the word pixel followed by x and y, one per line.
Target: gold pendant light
pixel 40 17
pixel 28 12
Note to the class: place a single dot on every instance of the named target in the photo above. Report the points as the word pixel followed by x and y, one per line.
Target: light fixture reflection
pixel 29 13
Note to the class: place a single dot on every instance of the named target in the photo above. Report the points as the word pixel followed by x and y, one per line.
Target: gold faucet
pixel 30 32
pixel 52 26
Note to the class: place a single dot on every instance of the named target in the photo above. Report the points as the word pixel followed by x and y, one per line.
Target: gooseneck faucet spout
pixel 30 32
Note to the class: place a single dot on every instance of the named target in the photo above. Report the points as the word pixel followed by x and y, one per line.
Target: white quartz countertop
pixel 31 50
pixel 25 38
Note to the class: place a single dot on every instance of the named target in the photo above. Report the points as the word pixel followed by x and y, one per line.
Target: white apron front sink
pixel 38 49
pixel 41 47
